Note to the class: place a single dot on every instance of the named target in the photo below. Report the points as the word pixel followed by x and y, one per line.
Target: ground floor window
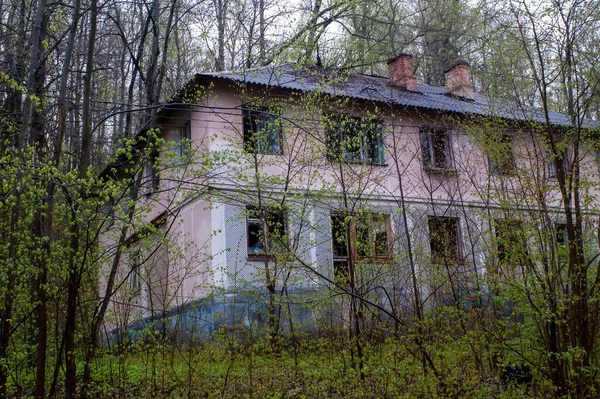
pixel 362 237
pixel 444 239
pixel 266 232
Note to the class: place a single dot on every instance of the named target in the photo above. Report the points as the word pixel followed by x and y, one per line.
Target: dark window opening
pixel 444 239
pixel 354 140
pixel 561 234
pixel 562 241
pixel 135 281
pixel 184 143
pixel 436 149
pixel 266 232
pixel 262 131
pixel 501 158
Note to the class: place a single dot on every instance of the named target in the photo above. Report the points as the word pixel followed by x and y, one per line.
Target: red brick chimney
pixel 459 82
pixel 402 72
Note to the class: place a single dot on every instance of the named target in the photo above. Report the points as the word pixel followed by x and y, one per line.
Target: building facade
pixel 297 190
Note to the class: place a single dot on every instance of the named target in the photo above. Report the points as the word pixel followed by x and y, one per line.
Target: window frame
pixel 433 249
pixel 183 145
pixel 341 266
pixel 429 149
pixel 368 133
pixel 253 122
pixel 351 237
pixel 135 279
pixel 254 216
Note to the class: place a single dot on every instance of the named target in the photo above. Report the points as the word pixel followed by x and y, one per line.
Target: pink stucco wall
pixel 221 171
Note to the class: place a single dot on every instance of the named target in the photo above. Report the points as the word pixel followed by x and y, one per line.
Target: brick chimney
pixel 402 72
pixel 459 82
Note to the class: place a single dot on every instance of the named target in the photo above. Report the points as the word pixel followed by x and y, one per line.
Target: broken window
pixel 562 242
pixel 557 164
pixel 373 233
pixel 151 181
pixel 340 243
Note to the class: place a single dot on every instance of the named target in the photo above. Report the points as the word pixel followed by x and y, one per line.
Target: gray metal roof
pixel 378 89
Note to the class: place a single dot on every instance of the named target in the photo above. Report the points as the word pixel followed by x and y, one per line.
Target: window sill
pixel 341 161
pixel 263 153
pixel 374 259
pixel 440 171
pixel 497 175
pixel 150 193
pixel 263 257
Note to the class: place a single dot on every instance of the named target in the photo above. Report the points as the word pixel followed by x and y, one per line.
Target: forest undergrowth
pixel 325 367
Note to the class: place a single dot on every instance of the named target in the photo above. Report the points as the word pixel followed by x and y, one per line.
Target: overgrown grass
pixel 322 368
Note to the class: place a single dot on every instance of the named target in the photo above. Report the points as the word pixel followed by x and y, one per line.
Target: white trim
pixel 219 250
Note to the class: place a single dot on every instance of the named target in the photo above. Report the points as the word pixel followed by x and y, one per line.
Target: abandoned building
pixel 290 187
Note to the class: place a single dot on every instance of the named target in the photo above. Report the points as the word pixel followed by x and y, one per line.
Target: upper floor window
pixel 436 149
pixel 262 131
pixel 444 239
pixel 353 139
pixel 151 181
pixel 266 232
pixel 364 237
pixel 500 156
pixel 557 164
pixel 183 144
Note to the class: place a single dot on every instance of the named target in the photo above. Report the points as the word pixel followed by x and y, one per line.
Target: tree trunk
pixel 40 228
pixel 34 63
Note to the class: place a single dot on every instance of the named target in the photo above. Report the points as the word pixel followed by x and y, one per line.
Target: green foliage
pixel 225 367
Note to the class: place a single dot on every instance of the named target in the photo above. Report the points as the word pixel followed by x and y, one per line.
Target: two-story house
pixel 302 185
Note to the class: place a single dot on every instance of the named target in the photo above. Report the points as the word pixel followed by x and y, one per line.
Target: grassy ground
pixel 324 368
